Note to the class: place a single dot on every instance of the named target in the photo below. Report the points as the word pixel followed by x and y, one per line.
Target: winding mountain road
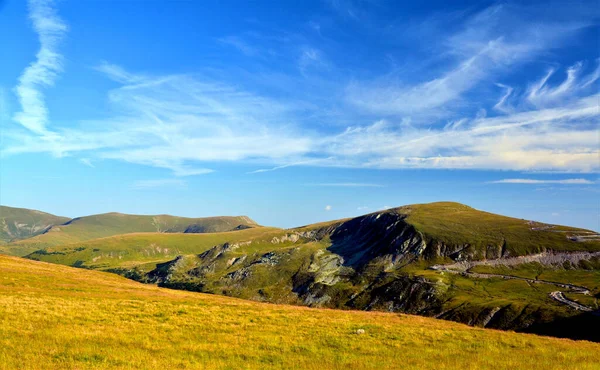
pixel 560 297
pixel 463 268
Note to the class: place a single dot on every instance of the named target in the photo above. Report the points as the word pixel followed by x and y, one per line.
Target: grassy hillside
pixel 381 261
pixel 99 226
pixel 21 223
pixel 457 224
pixel 130 250
pixel 54 316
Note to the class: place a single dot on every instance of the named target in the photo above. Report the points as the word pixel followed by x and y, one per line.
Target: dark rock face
pixel 195 229
pixel 382 236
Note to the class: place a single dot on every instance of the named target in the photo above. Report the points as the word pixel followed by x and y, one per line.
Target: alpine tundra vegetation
pixel 315 184
pixel 444 260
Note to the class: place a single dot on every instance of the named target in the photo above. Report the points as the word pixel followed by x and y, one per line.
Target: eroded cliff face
pixel 363 263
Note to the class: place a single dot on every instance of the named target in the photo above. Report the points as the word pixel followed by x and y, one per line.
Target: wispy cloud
pixel 501 105
pixel 159 183
pixel 488 43
pixel 293 164
pixel 348 185
pixel 43 72
pixel 311 58
pixel 538 182
pixel 87 162
pixel 239 44
pixel 177 121
pixel 169 122
pixel 541 94
pixel 549 139
pixel 328 208
pixel 188 123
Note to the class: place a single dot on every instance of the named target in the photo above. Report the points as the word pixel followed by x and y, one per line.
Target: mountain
pixel 108 224
pixel 54 316
pixel 445 260
pixel 21 223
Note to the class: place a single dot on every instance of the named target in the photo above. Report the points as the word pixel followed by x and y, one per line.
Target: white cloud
pixel 501 104
pixel 158 183
pixel 362 208
pixel 548 139
pixel 293 164
pixel 348 185
pixel 239 44
pixel 328 207
pixel 541 94
pixel 537 182
pixel 87 162
pixel 181 122
pixel 311 57
pixel 188 122
pixel 489 43
pixel 176 121
pixel 43 72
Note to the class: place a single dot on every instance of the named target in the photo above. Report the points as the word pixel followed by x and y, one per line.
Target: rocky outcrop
pixel 545 258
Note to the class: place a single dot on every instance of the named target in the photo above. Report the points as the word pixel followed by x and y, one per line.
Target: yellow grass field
pixel 58 317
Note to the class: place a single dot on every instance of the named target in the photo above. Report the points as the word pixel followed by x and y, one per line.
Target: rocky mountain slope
pixel 388 261
pixel 109 224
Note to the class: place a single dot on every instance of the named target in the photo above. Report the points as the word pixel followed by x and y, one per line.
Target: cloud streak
pixel 538 182
pixel 487 44
pixel 189 123
pixel 159 183
pixel 43 72
pixel 348 185
pixel 181 123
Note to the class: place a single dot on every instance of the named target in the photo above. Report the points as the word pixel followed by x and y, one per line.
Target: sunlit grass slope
pixel 54 316
pixel 109 224
pixel 458 224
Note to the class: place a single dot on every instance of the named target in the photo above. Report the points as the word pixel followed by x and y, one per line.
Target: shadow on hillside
pixel 361 239
pixel 585 326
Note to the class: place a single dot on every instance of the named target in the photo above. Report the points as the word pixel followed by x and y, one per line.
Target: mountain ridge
pixel 21 223
pixel 379 261
pixel 113 223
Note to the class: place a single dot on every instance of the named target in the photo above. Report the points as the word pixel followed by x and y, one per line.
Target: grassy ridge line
pixel 457 224
pixel 54 316
pixel 110 224
pixel 19 223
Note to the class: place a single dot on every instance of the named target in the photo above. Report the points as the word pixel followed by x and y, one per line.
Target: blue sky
pixel 298 112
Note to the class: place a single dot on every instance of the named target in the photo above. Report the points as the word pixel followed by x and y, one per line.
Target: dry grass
pixel 55 316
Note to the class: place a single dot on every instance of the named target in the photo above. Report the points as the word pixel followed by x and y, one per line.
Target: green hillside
pixel 109 224
pixel 400 260
pixel 21 223
pixel 58 317
pixel 484 233
pixel 130 250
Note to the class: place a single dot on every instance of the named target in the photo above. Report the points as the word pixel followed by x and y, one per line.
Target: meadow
pixel 54 316
pixel 108 224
